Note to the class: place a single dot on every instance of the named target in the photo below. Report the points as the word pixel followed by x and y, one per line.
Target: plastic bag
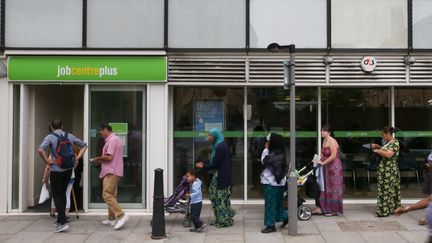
pixel 44 195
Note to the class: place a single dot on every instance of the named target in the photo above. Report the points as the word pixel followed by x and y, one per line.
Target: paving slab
pixel 304 239
pixel 67 238
pixel 13 226
pixel 343 237
pixel 107 237
pixel 328 226
pixel 258 237
pixel 373 237
pixel 375 225
pixel 4 237
pixel 33 237
pixel 414 236
pixel 224 238
pixel 253 225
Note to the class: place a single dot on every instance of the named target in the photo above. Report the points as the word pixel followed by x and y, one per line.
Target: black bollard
pixel 158 220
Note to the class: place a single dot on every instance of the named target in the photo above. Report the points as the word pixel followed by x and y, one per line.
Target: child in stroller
pixel 177 204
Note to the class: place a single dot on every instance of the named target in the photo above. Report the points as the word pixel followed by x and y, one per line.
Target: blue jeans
pixel 195 214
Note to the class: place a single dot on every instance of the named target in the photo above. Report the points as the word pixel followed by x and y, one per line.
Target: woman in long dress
pixel 388 182
pixel 219 167
pixel 331 199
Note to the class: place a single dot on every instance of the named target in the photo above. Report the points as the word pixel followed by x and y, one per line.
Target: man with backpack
pixel 62 161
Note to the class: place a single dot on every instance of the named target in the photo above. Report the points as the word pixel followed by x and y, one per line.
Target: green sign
pixel 121 130
pixel 87 68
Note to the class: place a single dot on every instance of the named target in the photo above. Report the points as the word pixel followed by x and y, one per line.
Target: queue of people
pixel 62 159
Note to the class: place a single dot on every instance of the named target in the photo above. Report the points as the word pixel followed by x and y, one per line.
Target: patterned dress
pixel 221 202
pixel 331 199
pixel 388 182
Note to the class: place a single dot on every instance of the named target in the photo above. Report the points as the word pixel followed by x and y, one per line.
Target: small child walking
pixel 195 195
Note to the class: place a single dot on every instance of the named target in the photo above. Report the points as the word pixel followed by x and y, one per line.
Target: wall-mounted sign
pixel 368 64
pixel 121 130
pixel 87 68
pixel 209 114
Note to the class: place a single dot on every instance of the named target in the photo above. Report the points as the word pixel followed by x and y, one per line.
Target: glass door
pixel 124 108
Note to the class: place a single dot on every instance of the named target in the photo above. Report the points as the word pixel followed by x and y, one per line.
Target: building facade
pixel 164 72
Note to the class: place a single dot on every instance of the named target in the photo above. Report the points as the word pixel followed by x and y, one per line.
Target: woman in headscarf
pixel 273 178
pixel 219 167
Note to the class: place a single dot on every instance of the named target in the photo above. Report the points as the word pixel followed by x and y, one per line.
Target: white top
pixel 267 178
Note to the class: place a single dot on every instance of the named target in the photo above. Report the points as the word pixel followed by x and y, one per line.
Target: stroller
pixel 175 204
pixel 309 182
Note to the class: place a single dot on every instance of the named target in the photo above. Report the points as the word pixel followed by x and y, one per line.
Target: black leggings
pixel 59 182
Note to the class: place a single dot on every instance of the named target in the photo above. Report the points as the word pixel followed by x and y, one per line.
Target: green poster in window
pixel 87 68
pixel 121 130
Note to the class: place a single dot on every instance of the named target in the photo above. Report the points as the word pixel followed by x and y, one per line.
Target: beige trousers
pixel 109 194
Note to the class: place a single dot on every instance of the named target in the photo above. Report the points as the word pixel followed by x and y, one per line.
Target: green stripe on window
pixel 304 134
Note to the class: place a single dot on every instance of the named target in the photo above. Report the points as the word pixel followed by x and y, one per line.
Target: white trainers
pixel 61 228
pixel 109 222
pixel 121 222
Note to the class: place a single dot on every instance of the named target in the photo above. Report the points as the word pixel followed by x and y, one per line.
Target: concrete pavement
pixel 358 224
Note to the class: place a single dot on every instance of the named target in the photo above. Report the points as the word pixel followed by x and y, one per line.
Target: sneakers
pixel 200 229
pixel 268 230
pixel 55 224
pixel 121 222
pixel 61 228
pixel 109 222
pixel 284 223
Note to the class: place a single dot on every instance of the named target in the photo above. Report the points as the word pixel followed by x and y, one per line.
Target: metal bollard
pixel 158 219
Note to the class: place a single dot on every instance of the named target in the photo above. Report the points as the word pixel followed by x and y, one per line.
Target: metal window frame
pixel 247 48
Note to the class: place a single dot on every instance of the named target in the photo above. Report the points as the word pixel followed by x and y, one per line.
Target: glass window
pixel 16 145
pixel 413 113
pixel 268 111
pixel 197 110
pixel 422 22
pixel 125 24
pixel 369 24
pixel 44 23
pixel 303 23
pixel 356 116
pixel 125 108
pixel 207 24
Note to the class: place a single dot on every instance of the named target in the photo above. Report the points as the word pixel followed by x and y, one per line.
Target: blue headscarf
pixel 217 139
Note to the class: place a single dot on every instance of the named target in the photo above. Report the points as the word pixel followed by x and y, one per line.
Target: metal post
pixel 158 219
pixel 292 179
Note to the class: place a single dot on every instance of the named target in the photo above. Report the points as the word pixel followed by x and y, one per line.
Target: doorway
pixel 41 105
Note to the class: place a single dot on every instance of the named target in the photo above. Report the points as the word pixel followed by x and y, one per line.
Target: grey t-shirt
pixel 50 141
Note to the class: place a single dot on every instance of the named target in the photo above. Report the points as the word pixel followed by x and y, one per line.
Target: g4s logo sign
pixel 368 64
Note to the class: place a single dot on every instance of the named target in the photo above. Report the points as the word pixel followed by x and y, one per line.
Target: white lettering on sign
pixel 368 64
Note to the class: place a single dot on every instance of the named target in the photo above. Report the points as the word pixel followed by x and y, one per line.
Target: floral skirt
pixel 221 202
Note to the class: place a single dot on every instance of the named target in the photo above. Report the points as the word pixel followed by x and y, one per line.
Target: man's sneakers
pixel 121 222
pixel 61 227
pixel 109 222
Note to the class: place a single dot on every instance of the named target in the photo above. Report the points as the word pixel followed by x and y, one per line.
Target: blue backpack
pixel 65 156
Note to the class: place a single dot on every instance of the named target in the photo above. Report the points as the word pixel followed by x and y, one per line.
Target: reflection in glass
pixel 119 107
pixel 16 142
pixel 356 116
pixel 268 111
pixel 413 112
pixel 196 110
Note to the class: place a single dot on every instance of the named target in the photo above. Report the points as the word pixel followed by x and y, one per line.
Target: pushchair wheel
pixel 187 223
pixel 304 212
